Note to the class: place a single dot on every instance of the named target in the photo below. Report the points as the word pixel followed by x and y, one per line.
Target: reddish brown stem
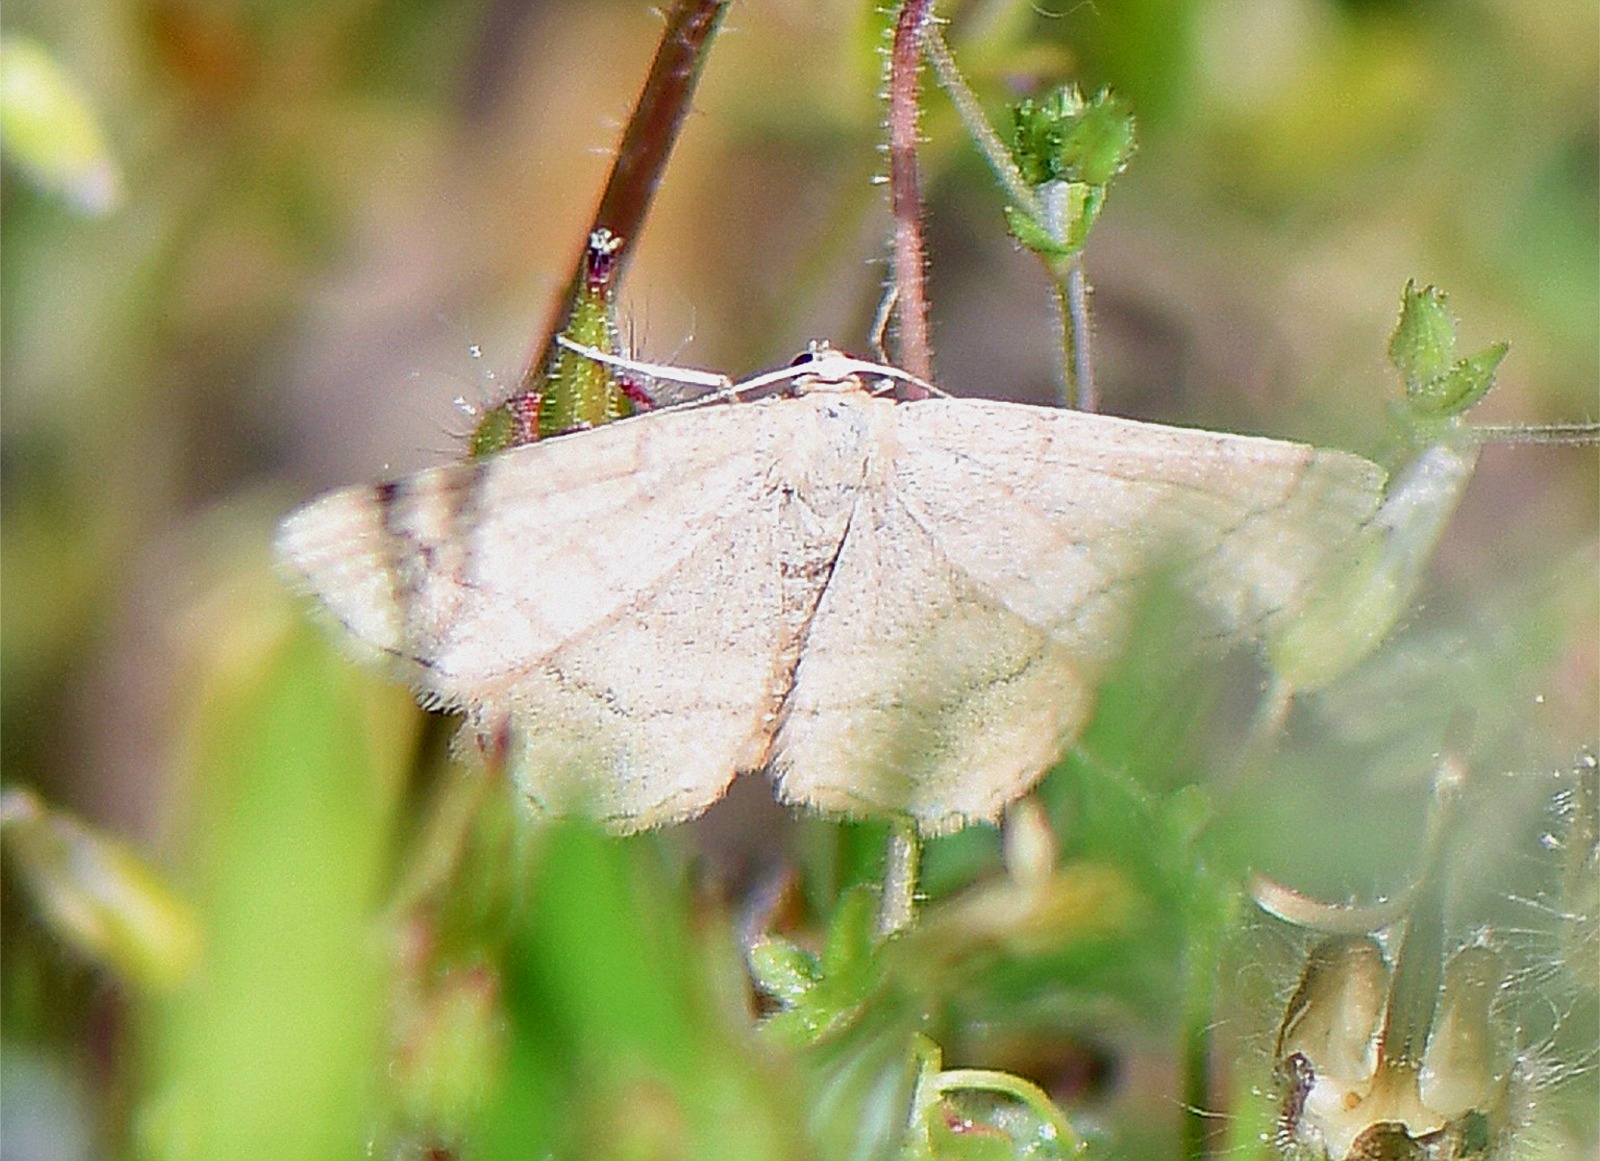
pixel 913 348
pixel 642 155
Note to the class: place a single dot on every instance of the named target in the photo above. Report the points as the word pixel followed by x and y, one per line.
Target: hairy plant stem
pixel 642 154
pixel 1079 390
pixel 902 862
pixel 914 351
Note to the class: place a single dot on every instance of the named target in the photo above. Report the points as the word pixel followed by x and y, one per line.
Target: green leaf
pixel 1064 138
pixel 1099 145
pixel 1459 388
pixel 1035 236
pixel 298 760
pixel 852 938
pixel 862 1087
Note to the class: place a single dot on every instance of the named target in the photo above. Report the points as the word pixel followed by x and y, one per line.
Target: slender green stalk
pixel 977 125
pixel 902 861
pixel 1582 434
pixel 1069 285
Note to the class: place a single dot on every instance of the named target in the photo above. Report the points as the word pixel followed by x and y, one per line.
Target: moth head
pixel 823 368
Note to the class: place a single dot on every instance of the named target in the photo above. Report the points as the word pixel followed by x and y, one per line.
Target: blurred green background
pixel 330 221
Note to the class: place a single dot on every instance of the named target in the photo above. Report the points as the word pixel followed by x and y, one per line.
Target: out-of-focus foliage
pixel 97 895
pixel 324 207
pixel 48 129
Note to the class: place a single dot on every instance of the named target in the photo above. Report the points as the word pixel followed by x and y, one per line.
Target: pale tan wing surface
pixel 1063 515
pixel 943 581
pixel 918 692
pixel 615 598
pixel 995 573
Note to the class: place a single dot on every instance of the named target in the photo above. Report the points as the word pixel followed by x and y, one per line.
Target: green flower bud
pixel 1424 341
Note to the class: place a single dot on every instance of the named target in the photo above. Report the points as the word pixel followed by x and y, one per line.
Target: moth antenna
pixel 685 375
pixel 880 320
